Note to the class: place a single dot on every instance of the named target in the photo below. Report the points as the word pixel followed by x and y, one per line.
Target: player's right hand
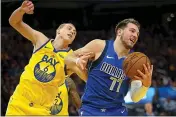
pixel 27 7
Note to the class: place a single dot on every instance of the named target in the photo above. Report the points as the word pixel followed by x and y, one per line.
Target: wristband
pixel 77 61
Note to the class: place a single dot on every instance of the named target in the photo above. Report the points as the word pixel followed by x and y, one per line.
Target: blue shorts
pixel 92 111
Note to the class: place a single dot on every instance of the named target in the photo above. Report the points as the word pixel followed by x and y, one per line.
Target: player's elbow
pixel 13 23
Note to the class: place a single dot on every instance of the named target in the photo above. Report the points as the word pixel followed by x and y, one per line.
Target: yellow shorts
pixel 22 106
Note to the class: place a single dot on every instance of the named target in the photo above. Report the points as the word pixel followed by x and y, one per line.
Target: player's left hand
pixel 28 7
pixel 83 59
pixel 145 78
pixel 90 54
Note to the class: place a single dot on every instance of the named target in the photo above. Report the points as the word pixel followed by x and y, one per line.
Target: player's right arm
pixel 77 60
pixel 16 21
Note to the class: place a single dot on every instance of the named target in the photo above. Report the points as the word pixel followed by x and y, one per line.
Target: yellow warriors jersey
pixel 41 77
pixel 60 104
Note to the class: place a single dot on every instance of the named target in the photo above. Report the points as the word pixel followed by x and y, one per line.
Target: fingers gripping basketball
pixel 134 62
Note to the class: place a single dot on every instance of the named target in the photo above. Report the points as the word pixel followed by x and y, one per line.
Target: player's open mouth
pixel 132 40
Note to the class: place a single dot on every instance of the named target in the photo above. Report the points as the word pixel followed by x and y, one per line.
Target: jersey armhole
pixel 96 62
pixel 41 46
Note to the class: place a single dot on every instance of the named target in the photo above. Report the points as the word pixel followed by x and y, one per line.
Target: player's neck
pixel 59 44
pixel 120 49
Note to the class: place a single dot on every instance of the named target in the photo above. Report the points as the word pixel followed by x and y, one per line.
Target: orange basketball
pixel 134 62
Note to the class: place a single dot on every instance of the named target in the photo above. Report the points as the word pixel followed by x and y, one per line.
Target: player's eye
pixel 133 31
pixel 69 28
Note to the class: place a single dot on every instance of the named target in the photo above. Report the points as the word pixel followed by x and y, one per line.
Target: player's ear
pixel 119 32
pixel 57 31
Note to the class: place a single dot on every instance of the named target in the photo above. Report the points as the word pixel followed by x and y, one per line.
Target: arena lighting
pixel 169 19
pixel 172 15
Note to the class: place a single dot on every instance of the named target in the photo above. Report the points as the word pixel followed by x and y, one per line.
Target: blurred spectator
pixel 148 109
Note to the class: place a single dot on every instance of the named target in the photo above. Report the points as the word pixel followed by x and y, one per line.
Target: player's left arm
pixel 139 87
pixel 73 94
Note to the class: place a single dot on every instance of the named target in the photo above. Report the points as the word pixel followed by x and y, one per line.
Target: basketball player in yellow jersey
pixel 39 82
pixel 61 102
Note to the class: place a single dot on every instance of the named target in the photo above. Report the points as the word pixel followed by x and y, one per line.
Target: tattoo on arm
pixel 73 94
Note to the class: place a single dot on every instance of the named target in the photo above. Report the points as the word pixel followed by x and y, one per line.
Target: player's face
pixel 130 35
pixel 68 33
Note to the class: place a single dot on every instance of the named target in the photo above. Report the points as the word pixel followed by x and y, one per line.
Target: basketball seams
pixel 147 60
pixel 134 63
pixel 128 61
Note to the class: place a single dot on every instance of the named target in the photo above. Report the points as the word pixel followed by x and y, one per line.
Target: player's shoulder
pixel 41 38
pixel 42 44
pixel 98 43
pixel 70 50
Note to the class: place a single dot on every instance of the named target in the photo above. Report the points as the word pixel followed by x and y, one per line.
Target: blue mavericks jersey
pixel 107 84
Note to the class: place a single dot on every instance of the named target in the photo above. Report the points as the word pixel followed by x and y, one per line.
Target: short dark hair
pixel 122 24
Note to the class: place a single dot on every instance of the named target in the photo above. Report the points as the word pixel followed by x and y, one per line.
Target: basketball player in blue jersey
pixel 107 84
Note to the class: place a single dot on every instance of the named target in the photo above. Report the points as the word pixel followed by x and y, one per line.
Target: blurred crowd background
pixel 97 20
